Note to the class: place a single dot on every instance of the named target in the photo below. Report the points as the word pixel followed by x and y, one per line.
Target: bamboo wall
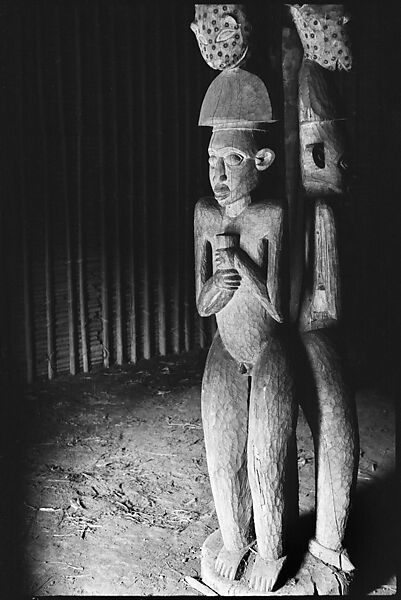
pixel 102 110
pixel 102 165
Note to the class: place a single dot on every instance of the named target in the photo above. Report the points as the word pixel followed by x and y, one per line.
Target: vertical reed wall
pixel 101 122
pixel 102 163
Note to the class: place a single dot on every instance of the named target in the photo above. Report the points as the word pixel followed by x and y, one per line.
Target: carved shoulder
pixel 206 204
pixel 206 215
pixel 269 211
pixel 276 210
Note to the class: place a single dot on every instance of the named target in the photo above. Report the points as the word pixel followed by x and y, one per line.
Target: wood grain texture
pixel 248 392
pixel 133 266
pixel 242 319
pixel 321 305
pixel 225 424
pixel 48 238
pixel 102 200
pixel 313 578
pixel 29 353
pixel 291 52
pixel 70 258
pixel 235 95
pixel 248 408
pixel 271 441
pixel 330 409
pixel 82 295
pixel 329 403
pixel 118 284
pixel 323 148
pixel 319 99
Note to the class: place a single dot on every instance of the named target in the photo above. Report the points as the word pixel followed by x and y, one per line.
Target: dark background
pixel 103 161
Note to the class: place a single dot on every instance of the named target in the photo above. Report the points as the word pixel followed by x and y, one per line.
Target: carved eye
pixel 212 160
pixel 202 39
pixel 229 27
pixel 318 155
pixel 343 163
pixel 225 34
pixel 233 160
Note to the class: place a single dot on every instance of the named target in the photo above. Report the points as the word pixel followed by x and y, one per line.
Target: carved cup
pixel 227 240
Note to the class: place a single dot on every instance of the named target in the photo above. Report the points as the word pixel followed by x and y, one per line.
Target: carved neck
pixel 236 208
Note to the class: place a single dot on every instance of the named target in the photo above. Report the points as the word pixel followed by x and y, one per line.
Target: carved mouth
pixel 221 192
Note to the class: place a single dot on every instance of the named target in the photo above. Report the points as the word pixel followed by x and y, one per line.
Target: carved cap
pixel 236 99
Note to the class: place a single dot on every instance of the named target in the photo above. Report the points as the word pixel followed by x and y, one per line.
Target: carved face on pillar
pixel 236 161
pixel 323 33
pixel 222 32
pixel 324 164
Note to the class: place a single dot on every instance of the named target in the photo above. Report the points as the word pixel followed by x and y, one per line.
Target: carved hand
pixel 227 279
pixel 224 257
pixel 254 277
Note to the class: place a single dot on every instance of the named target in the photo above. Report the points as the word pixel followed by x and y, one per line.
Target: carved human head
pixel 237 106
pixel 324 34
pixel 324 161
pixel 237 158
pixel 222 32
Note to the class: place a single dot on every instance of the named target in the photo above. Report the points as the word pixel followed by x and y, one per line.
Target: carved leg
pixel 225 424
pixel 271 459
pixel 335 430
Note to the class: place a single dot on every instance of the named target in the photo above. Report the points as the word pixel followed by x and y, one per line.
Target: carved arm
pixel 258 283
pixel 213 291
pixel 267 289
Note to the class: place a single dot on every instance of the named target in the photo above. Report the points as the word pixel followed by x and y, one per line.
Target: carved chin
pixel 223 200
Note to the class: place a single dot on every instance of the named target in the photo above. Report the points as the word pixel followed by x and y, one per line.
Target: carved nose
pixel 220 170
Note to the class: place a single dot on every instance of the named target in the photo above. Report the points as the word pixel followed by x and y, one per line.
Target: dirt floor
pixel 107 490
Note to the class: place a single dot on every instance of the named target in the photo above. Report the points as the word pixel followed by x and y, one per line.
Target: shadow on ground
pixel 31 423
pixel 372 534
pixel 13 425
pixel 371 537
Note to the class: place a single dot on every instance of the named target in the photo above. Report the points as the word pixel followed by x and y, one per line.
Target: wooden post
pixel 330 408
pixel 291 62
pixel 160 198
pixel 116 197
pixel 67 210
pixel 187 232
pixel 178 197
pixel 80 257
pixel 248 403
pixel 103 216
pixel 22 189
pixel 131 196
pixel 145 316
pixel 49 291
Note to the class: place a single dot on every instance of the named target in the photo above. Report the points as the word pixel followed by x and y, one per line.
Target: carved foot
pixel 340 560
pixel 317 578
pixel 228 561
pixel 265 573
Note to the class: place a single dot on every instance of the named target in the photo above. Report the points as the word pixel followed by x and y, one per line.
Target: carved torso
pixel 244 324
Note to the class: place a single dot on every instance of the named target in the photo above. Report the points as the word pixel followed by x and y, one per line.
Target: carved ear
pixel 194 28
pixel 264 158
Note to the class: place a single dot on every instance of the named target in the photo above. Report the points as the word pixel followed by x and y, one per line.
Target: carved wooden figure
pixel 329 406
pixel 248 409
pixel 222 32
